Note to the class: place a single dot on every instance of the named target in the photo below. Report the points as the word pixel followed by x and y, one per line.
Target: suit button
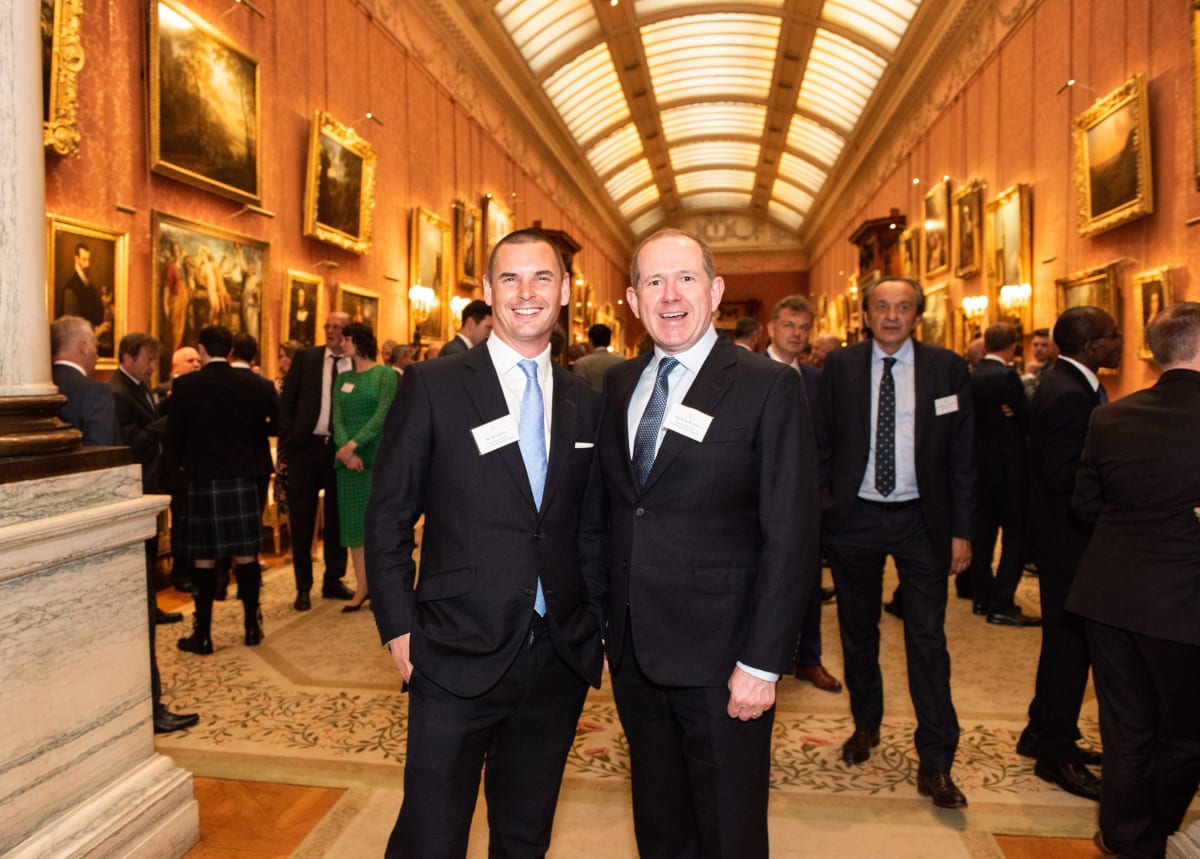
pixel 530 591
pixel 538 535
pixel 641 511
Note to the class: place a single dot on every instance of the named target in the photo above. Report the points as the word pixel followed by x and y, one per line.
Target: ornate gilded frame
pixel 468 230
pixel 294 281
pixel 935 232
pixel 362 305
pixel 1008 249
pixel 1152 292
pixel 938 319
pixel 109 252
pixel 1095 287
pixel 497 223
pixel 1196 90
pixel 339 188
pixel 910 253
pixel 62 59
pixel 1113 181
pixel 967 217
pixel 427 268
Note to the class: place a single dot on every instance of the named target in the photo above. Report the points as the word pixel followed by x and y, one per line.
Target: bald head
pixel 335 323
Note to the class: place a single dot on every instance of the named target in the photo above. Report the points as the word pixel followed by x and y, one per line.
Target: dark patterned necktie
pixel 647 431
pixel 1102 394
pixel 885 432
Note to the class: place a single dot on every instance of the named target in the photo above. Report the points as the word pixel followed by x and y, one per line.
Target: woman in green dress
pixel 361 399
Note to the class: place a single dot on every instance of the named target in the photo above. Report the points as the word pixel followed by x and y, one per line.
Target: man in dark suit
pixel 241 358
pixel 476 326
pixel 217 423
pixel 142 430
pixel 592 367
pixel 894 423
pixel 1138 586
pixel 1001 460
pixel 1087 339
pixel 709 464
pixel 89 406
pixel 499 637
pixel 306 443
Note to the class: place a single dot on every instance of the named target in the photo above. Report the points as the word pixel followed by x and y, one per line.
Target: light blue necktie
pixel 531 430
pixel 645 443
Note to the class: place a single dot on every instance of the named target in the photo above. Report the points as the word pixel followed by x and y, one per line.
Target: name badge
pixel 495 434
pixel 688 422
pixel 945 405
pixel 347 387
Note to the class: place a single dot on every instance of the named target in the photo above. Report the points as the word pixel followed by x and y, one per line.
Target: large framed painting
pixel 1093 287
pixel 1196 90
pixel 937 319
pixel 1152 292
pixel 87 274
pixel 62 58
pixel 910 253
pixel 1112 159
pixel 205 105
pixel 303 307
pixel 1008 250
pixel 936 229
pixel 468 227
pixel 203 275
pixel 339 192
pixel 361 305
pixel 967 214
pixel 497 223
pixel 429 290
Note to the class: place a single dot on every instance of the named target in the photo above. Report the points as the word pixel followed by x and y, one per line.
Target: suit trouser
pixel 1001 509
pixel 808 653
pixel 519 732
pixel 1150 725
pixel 857 551
pixel 310 469
pixel 1062 673
pixel 700 779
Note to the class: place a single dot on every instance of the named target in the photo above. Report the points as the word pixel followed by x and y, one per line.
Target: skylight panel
pixel 643 223
pixel 788 193
pixel 723 55
pixel 801 172
pixel 727 153
pixel 714 180
pixel 812 138
pixel 629 180
pixel 614 150
pixel 715 200
pixel 545 31
pixel 713 119
pixel 839 79
pixel 881 23
pixel 587 95
pixel 643 198
pixel 790 217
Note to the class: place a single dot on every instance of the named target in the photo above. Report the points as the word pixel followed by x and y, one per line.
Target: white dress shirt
pixel 327 377
pixel 904 374
pixel 678 383
pixel 512 380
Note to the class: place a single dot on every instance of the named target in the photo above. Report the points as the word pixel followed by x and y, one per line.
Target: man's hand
pixel 399 650
pixel 749 697
pixel 960 555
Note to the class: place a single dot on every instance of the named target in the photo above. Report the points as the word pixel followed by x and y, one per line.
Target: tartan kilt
pixel 223 518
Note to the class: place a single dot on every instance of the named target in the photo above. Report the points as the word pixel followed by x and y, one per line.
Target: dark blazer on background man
pixel 454 346
pixel 141 427
pixel 1001 452
pixel 89 406
pixel 265 465
pixel 300 402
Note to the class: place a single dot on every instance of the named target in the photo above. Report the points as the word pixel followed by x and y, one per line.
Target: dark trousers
pixel 519 732
pixel 808 652
pixel 700 779
pixel 310 469
pixel 857 552
pixel 1001 510
pixel 1150 725
pixel 1061 673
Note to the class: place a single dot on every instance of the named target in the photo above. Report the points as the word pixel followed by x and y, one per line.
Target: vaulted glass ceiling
pixel 686 106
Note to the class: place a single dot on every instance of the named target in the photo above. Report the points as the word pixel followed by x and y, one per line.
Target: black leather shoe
pixel 894 609
pixel 858 747
pixel 1016 617
pixel 828 594
pixel 163 617
pixel 165 721
pixel 1071 777
pixel 196 644
pixel 941 789
pixel 337 591
pixel 1027 744
pixel 302 603
pixel 1088 757
pixel 978 608
pixel 254 635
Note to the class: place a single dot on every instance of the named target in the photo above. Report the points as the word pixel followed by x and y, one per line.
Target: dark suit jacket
pixel 1062 407
pixel 141 428
pixel 484 543
pixel 944 443
pixel 716 556
pixel 89 407
pixel 218 422
pixel 1001 450
pixel 592 367
pixel 265 466
pixel 454 346
pixel 1139 480
pixel 300 402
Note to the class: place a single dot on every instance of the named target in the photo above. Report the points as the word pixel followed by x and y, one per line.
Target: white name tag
pixel 495 434
pixel 347 387
pixel 945 405
pixel 688 421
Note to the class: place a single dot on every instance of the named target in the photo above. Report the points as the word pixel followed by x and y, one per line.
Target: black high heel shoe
pixel 349 607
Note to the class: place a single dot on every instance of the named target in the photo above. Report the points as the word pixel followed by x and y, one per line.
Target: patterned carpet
pixel 318 703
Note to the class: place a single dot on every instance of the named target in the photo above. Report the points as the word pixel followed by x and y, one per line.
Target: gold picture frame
pixel 62 60
pixel 339 188
pixel 203 131
pixel 935 232
pixel 937 319
pixel 497 223
pixel 1152 292
pixel 1008 252
pixel 910 253
pixel 1095 287
pixel 361 305
pixel 966 206
pixel 100 294
pixel 303 307
pixel 468 229
pixel 1196 91
pixel 429 280
pixel 1113 181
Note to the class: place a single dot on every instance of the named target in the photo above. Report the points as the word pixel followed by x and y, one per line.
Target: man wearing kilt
pixel 218 421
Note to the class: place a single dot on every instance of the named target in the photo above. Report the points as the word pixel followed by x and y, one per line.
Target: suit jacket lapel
pixel 564 413
pixel 482 384
pixel 621 384
pixel 921 370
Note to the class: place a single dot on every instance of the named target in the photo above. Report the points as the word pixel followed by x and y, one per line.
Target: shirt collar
pixel 996 358
pixel 774 356
pixel 71 364
pixel 136 381
pixel 1092 378
pixel 903 355
pixel 505 357
pixel 693 359
pixel 240 365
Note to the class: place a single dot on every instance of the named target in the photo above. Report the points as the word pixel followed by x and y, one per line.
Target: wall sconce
pixel 1014 298
pixel 421 301
pixel 457 303
pixel 975 306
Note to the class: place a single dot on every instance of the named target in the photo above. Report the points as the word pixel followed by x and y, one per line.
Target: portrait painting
pixel 204 105
pixel 62 59
pixel 87 272
pixel 303 308
pixel 467 228
pixel 361 305
pixel 910 253
pixel 1152 292
pixel 967 215
pixel 339 194
pixel 729 312
pixel 203 275
pixel 936 320
pixel 1112 159
pixel 430 317
pixel 936 229
pixel 1095 287
pixel 1008 248
pixel 497 223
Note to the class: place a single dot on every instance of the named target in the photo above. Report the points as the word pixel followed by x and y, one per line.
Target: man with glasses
pixel 1087 340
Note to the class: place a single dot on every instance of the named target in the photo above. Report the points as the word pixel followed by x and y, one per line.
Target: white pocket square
pixel 584 444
